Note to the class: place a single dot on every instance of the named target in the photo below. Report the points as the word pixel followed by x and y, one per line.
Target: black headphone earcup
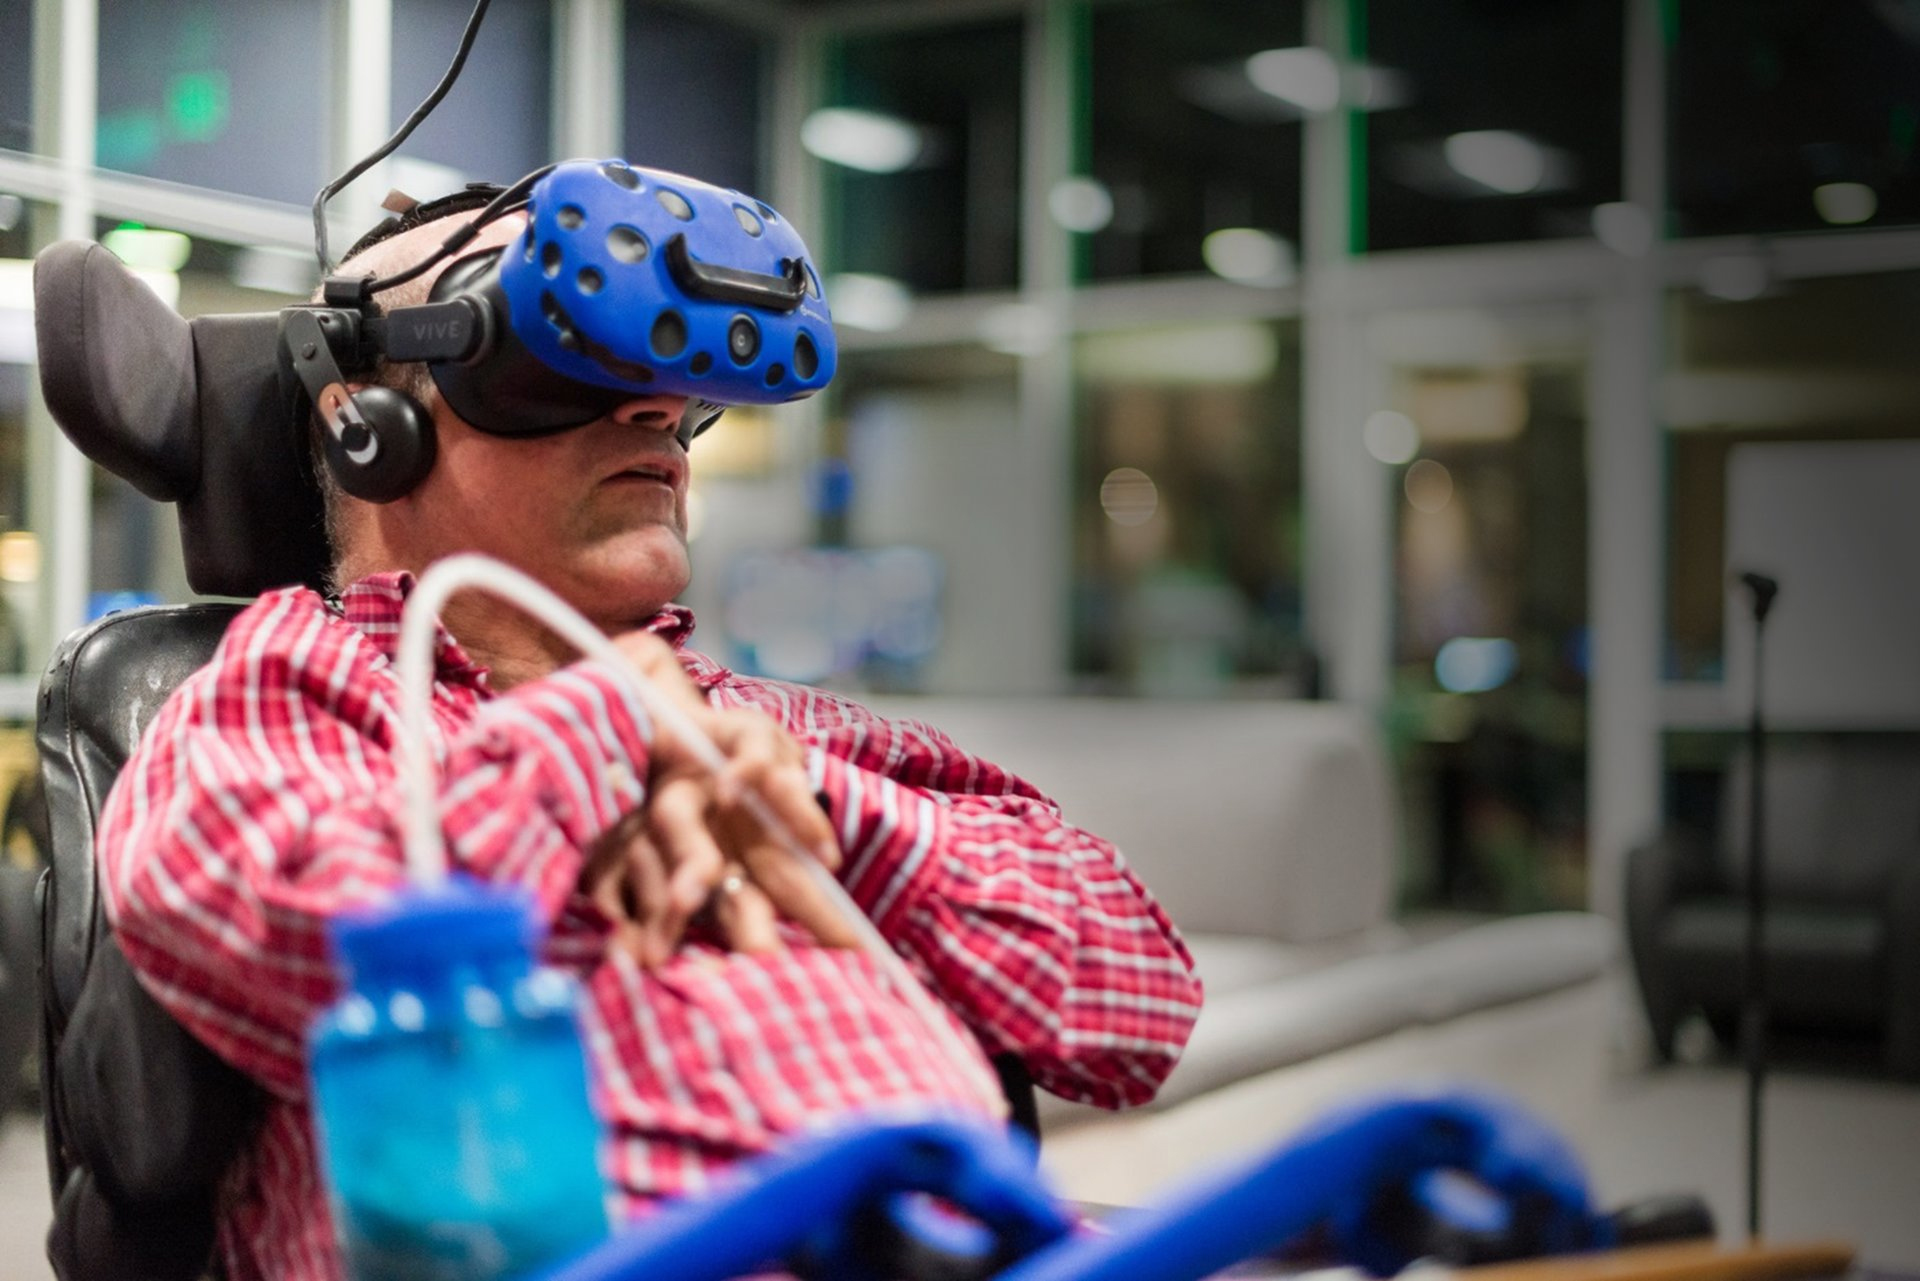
pixel 397 456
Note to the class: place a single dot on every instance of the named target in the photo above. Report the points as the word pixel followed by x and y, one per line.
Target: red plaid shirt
pixel 263 800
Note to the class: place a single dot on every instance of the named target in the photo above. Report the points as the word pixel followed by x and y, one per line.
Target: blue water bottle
pixel 451 1094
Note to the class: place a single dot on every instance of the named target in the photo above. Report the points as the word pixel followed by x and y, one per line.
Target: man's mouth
pixel 649 471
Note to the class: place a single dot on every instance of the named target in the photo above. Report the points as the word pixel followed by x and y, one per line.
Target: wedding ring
pixel 732 883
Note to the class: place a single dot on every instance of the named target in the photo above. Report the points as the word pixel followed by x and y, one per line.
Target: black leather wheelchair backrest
pixel 141 1119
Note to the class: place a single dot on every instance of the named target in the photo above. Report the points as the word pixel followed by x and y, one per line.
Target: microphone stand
pixel 1753 1017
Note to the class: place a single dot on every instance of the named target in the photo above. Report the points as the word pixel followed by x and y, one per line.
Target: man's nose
pixel 659 412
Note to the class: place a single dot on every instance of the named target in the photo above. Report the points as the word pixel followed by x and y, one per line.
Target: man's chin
pixel 638 570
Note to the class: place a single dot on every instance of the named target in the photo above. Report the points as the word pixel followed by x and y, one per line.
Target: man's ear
pixel 386 449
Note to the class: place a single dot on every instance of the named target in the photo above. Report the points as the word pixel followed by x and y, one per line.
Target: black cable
pixel 386 149
pixel 510 199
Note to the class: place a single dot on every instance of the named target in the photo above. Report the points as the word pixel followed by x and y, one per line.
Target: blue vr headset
pixel 626 282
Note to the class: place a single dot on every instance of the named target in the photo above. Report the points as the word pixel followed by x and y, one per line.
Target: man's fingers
pixel 744 915
pixel 791 887
pixel 679 825
pixel 626 881
pixel 766 760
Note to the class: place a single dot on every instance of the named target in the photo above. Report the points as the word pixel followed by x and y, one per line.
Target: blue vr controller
pixel 632 281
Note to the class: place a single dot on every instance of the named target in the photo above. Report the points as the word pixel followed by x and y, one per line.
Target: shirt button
pixel 621 780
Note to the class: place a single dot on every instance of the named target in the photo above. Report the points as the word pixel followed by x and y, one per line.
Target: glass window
pixel 225 94
pixel 1810 360
pixel 22 553
pixel 922 134
pixel 1789 115
pixel 1186 511
pixel 496 123
pixel 1493 120
pixel 1485 443
pixel 707 126
pixel 1183 141
pixel 924 458
pixel 16 74
pixel 25 512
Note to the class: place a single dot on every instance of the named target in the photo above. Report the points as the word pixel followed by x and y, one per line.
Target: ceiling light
pixel 1510 163
pixel 1734 277
pixel 1081 204
pixel 879 304
pixel 859 139
pixel 1624 228
pixel 1306 78
pixel 1845 203
pixel 148 248
pixel 1391 437
pixel 1249 255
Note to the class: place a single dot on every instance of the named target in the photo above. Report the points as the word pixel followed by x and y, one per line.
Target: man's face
pixel 597 513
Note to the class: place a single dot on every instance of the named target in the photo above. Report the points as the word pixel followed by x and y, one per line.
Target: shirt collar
pixel 374 605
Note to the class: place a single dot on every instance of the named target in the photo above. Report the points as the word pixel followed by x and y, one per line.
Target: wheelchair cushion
pixel 141 1118
pixel 104 684
pixel 194 413
pixel 92 1237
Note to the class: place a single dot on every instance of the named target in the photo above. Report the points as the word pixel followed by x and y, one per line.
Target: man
pixel 724 1008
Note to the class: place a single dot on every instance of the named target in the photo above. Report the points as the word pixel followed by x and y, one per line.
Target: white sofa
pixel 1270 831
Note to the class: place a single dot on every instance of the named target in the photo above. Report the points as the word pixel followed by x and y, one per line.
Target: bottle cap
pixel 458 920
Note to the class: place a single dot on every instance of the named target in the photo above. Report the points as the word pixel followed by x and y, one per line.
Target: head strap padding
pixel 116 365
pixel 194 413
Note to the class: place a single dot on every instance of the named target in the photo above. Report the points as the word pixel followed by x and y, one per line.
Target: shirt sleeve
pixel 264 801
pixel 1034 931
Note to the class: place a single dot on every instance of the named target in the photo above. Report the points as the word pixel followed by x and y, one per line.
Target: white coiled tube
pixel 426 852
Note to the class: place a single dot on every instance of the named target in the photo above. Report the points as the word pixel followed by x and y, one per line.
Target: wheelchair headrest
pixel 190 412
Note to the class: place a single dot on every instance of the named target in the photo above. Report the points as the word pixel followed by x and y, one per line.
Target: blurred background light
pixel 741 445
pixel 1234 355
pixel 1081 204
pixel 1391 437
pixel 276 270
pixel 1470 406
pixel 696 513
pixel 1250 256
pixel 149 248
pixel 1306 78
pixel 1624 228
pixel 19 557
pixel 1019 329
pixel 11 208
pixel 16 284
pixel 1846 203
pixel 863 300
pixel 858 139
pixel 1429 486
pixel 1128 496
pixel 1510 163
pixel 1475 664
pixel 1734 277
pixel 1441 336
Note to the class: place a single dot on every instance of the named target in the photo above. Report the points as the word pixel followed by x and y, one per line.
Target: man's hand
pixel 696 842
